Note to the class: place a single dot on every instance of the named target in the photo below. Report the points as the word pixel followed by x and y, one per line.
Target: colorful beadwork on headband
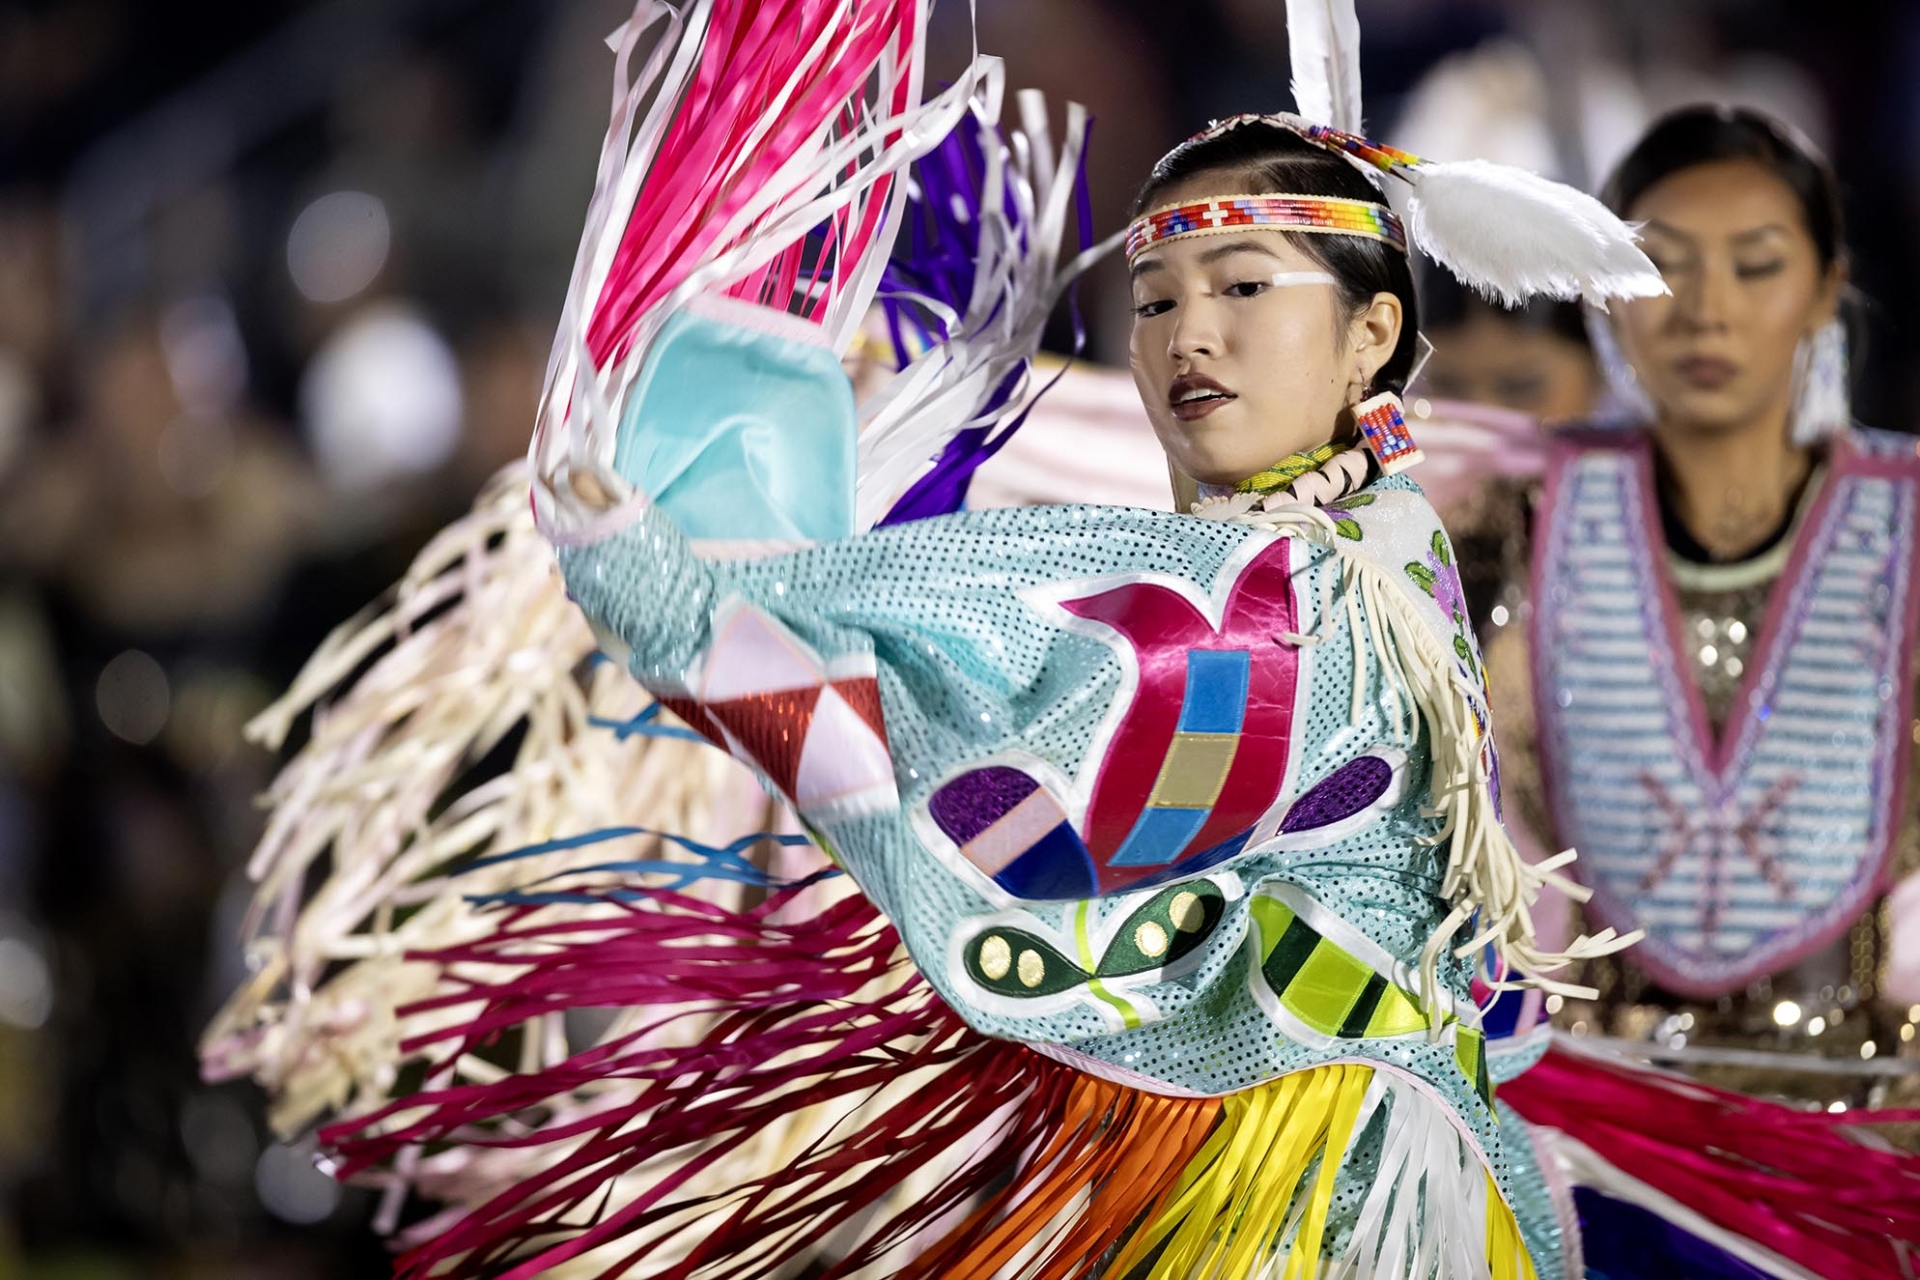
pixel 1284 212
pixel 1379 155
pixel 1574 245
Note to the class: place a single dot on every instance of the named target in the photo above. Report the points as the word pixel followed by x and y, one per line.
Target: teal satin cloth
pixel 739 433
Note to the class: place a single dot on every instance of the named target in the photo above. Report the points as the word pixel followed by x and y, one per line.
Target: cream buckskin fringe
pixel 373 816
pixel 1485 874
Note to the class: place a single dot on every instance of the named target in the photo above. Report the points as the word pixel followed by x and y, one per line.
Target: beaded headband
pixel 1285 212
pixel 1378 154
pixel 1567 244
pixel 1288 212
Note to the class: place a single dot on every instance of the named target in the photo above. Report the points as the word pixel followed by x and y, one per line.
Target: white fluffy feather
pixel 1513 234
pixel 1323 43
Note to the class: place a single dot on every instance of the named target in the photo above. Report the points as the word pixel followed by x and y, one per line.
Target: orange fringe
pixel 1128 1146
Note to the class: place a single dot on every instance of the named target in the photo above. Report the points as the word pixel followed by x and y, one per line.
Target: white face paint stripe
pixel 1284 278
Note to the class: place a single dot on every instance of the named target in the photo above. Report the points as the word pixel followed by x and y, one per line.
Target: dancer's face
pixel 1731 240
pixel 1489 357
pixel 1242 351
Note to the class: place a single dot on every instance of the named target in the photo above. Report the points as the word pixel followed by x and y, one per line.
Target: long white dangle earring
pixel 1822 400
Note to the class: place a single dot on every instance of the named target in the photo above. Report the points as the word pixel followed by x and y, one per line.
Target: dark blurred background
pixel 276 285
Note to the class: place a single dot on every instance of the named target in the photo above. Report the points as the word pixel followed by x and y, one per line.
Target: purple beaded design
pixel 1341 794
pixel 977 799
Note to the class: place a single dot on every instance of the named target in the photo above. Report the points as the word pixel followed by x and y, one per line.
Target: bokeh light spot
pixel 338 245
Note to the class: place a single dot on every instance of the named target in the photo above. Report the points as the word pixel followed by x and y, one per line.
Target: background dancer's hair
pixel 1265 159
pixel 1707 133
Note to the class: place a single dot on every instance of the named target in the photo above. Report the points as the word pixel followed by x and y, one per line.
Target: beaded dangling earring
pixel 1383 423
pixel 1822 405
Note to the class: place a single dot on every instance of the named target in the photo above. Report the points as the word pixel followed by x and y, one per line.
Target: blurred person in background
pixel 32 727
pixel 167 552
pixel 1535 359
pixel 33 722
pixel 1712 695
pixel 384 276
pixel 1496 377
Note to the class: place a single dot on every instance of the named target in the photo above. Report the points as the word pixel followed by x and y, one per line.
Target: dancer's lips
pixel 1195 395
pixel 1708 373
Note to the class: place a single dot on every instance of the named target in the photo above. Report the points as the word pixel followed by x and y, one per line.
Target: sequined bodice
pixel 1719 640
pixel 1827 1005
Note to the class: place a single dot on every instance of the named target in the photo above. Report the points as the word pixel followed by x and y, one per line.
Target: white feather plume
pixel 1513 234
pixel 1323 41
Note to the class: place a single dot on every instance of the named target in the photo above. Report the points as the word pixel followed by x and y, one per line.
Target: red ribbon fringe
pixel 789 1014
pixel 1800 1183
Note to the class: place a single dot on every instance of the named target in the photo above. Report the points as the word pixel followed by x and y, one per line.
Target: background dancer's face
pixel 1242 349
pixel 1534 359
pixel 1748 285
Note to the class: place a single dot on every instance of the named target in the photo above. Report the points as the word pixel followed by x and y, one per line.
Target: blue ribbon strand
pixel 645 726
pixel 716 862
pixel 1623 1241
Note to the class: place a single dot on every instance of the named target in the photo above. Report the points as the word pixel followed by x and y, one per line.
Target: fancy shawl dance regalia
pixel 1149 861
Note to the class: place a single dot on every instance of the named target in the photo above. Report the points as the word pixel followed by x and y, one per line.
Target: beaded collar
pixel 1288 469
pixel 1317 476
